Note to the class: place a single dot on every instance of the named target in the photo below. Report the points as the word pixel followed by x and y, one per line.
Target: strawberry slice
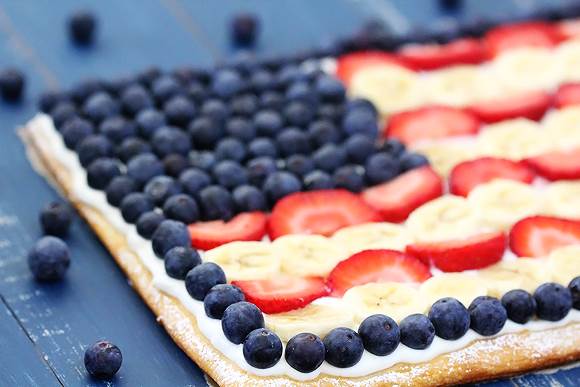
pixel 557 165
pixel 467 175
pixel 569 28
pixel 376 266
pixel 518 35
pixel 247 226
pixel 433 56
pixel 529 104
pixel 537 236
pixel 396 199
pixel 430 123
pixel 349 64
pixel 567 94
pixel 465 254
pixel 283 293
pixel 319 212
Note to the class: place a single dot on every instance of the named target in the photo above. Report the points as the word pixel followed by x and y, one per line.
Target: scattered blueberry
pixel 240 319
pixel 393 147
pixel 103 360
pixel 174 164
pixel 169 234
pixel 298 113
pixel 194 180
pixel 160 188
pixel 75 130
pixel 82 26
pixel 12 82
pixel 230 148
pixel 55 219
pixel 380 334
pixel 49 99
pixel 62 112
pixel 180 260
pixel 196 91
pixel 358 148
pixel 321 132
pixel 574 287
pixel 262 80
pixel 317 180
pixel 204 160
pixel 244 105
pixel 259 169
pixel 450 318
pixel 299 164
pixel 101 171
pixel 241 129
pixel 349 177
pixel 229 174
pixel 248 198
pixel 148 222
pixel 215 109
pixel 301 91
pixel 553 301
pixel 100 106
pixel 360 121
pixel 293 141
pixel 205 132
pixel 262 146
pixel 488 315
pixel 381 167
pixel 181 207
pixel 49 259
pixel 329 112
pixel 412 160
pixel 165 87
pixel 168 140
pixel 262 348
pixel 144 167
pixel 519 305
pixel 305 352
pixel 135 98
pixel 149 75
pixel 131 147
pixel 271 100
pixel 329 157
pixel 135 204
pixel 344 347
pixel 148 121
pixel 244 29
pixel 227 83
pixel 83 89
pixel 202 278
pixel 120 187
pixel 93 147
pixel 417 331
pixel 268 123
pixel 216 203
pixel 219 298
pixel 279 184
pixel 117 129
pixel 179 111
pixel 330 88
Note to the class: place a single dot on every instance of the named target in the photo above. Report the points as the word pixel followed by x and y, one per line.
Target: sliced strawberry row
pixel 530 104
pixel 348 65
pixel 250 226
pixel 557 165
pixel 433 56
pixel 567 94
pixel 519 35
pixel 537 236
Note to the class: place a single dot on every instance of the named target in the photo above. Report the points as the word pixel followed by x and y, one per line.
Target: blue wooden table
pixel 45 328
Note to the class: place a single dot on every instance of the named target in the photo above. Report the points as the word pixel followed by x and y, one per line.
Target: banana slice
pixel 307 255
pixel 514 139
pixel 565 263
pixel 502 202
pixel 393 299
pixel 459 86
pixel 314 318
pixel 245 260
pixel 445 218
pixel 462 286
pixel 563 126
pixel 563 199
pixel 372 236
pixel 521 273
pixel 390 88
pixel 530 68
pixel 568 55
pixel 444 155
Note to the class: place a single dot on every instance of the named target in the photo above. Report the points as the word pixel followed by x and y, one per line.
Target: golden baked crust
pixel 502 356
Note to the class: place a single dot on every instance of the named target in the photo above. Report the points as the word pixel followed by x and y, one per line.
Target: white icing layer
pixel 211 328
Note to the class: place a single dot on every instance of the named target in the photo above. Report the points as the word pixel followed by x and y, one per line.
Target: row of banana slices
pixel 399 300
pixel 513 139
pixel 393 88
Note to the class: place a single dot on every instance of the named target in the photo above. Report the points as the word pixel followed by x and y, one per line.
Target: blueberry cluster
pixel 207 145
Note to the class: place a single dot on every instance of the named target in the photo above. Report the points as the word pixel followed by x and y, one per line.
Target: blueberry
pixel 248 198
pixel 553 301
pixel 82 26
pixel 12 82
pixel 194 180
pixel 259 169
pixel 227 83
pixel 204 160
pixel 148 121
pixel 292 141
pixel 280 184
pixel 131 147
pixel 240 319
pixel 329 157
pixel 93 147
pixel 219 298
pixel 450 318
pixel 134 205
pixel 75 130
pixel 181 207
pixel 330 88
pixel 519 305
pixel 180 260
pixel 174 164
pixel 317 180
pixel 299 165
pixel 323 132
pixel 116 85
pixel 82 90
pixel 380 334
pixel 230 149
pixel 215 109
pixel 148 222
pixel 120 187
pixel 360 121
pixel 262 348
pixel 262 80
pixel 144 167
pixel 271 100
pixel 301 91
pixel 344 347
pixel 330 112
pixel 393 147
pixel 244 105
pixel 101 171
pixel 169 234
pixel 117 129
pixel 62 112
pixel 165 87
pixel 55 219
pixel 305 352
pixel 216 203
pixel 49 99
pixel 298 113
pixel 229 174
pixel 202 278
pixel 381 167
pixel 244 29
pixel 205 132
pixel 349 177
pixel 103 360
pixel 100 106
pixel 160 188
pixel 574 287
pixel 49 259
pixel 488 315
pixel 417 331
pixel 268 123
pixel 412 160
pixel 169 139
pixel 241 129
pixel 287 74
pixel 149 75
pixel 358 148
pixel 262 146
pixel 134 99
